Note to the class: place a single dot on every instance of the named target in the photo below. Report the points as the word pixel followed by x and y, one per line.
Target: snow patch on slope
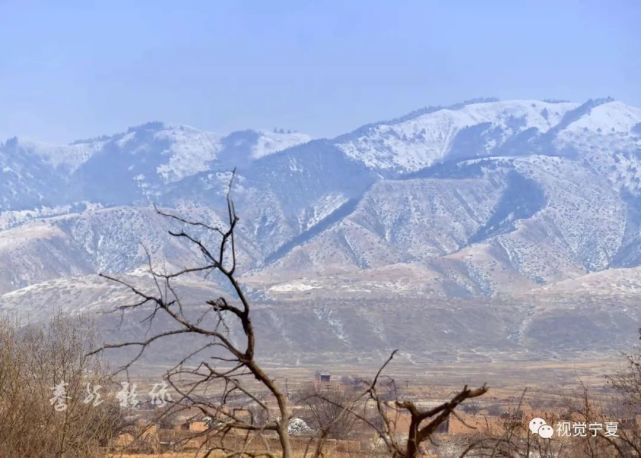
pixel 270 142
pixel 70 156
pixel 189 152
pixel 419 142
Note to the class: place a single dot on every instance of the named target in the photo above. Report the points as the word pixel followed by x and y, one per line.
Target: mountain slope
pixel 481 201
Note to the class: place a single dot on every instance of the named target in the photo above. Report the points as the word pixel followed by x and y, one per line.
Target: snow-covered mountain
pixel 130 167
pixel 484 200
pixel 479 177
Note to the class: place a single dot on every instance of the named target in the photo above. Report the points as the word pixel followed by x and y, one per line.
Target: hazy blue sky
pixel 78 69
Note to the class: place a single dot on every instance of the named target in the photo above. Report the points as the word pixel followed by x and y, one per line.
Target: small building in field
pixel 196 425
pixel 322 380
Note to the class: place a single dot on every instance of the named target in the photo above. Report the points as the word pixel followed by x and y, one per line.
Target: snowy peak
pixel 268 142
pixel 179 150
pixel 435 135
pixel 489 128
pixel 188 151
pixel 240 148
pixel 130 166
pixel 610 116
pixel 68 157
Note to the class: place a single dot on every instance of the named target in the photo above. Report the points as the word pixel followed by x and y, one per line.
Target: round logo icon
pixel 535 424
pixel 546 432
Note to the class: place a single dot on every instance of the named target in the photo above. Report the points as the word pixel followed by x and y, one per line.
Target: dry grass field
pixel 542 386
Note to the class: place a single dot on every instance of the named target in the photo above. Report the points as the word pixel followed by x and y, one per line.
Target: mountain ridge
pixel 489 201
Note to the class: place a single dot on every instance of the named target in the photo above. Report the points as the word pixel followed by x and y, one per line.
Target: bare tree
pixel 325 409
pixel 381 410
pixel 222 378
pixel 218 378
pixel 423 422
pixel 511 437
pixel 593 412
pixel 38 363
